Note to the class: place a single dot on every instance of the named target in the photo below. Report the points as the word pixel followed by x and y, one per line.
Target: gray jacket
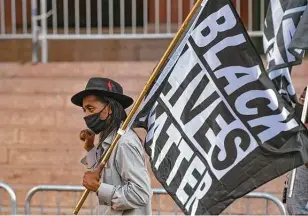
pixel 126 187
pixel 298 203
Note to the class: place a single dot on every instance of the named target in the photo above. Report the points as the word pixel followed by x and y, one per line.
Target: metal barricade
pixel 268 197
pixel 158 192
pixel 149 19
pixel 58 189
pixel 261 195
pixel 15 24
pixel 106 19
pixel 12 196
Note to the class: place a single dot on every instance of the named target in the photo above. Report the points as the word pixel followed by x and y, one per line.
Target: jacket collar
pixel 110 137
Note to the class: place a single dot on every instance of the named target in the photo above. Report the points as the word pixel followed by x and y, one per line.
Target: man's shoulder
pixel 130 140
pixel 130 144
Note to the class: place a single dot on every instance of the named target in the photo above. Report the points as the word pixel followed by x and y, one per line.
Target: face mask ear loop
pixel 103 110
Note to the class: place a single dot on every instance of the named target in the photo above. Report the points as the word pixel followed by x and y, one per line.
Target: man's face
pixel 302 97
pixel 91 105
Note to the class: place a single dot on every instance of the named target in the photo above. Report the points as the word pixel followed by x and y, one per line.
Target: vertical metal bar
pixel 0 200
pixel 145 16
pixel 180 13
pixel 262 15
pixel 34 31
pixel 266 205
pixel 75 197
pixel 134 16
pixel 12 197
pixel 99 17
pixel 97 204
pixel 168 16
pixel 77 21
pixel 156 16
pixel 88 15
pixel 238 7
pixel 110 5
pixel 58 203
pixel 42 202
pixel 13 15
pixel 250 11
pixel 54 17
pixel 191 4
pixel 2 11
pixel 24 16
pixel 247 207
pixel 65 14
pixel 44 31
pixel 91 203
pixel 122 16
pixel 158 203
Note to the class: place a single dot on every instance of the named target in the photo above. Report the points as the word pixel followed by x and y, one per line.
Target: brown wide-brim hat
pixel 103 87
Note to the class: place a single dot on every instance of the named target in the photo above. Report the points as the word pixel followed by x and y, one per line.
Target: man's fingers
pixel 82 135
pixel 89 133
pixel 85 134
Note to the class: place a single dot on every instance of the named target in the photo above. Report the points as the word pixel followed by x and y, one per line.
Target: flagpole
pixel 303 118
pixel 142 95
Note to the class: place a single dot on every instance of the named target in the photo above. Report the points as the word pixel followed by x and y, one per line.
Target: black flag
pixel 216 126
pixel 285 38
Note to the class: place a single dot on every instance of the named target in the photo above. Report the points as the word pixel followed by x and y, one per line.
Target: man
pixel 298 203
pixel 124 185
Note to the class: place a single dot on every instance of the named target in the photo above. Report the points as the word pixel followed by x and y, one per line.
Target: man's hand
pixel 88 137
pixel 91 178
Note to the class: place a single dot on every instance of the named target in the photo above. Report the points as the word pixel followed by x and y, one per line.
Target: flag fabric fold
pixel 285 39
pixel 217 128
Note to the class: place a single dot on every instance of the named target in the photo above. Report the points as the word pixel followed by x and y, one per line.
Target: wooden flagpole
pixel 142 95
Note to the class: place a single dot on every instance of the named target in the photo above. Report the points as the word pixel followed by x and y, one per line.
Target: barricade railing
pixel 12 196
pixel 43 20
pixel 268 197
pixel 58 189
pixel 158 192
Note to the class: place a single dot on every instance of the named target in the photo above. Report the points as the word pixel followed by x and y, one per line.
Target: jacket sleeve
pixel 136 191
pixel 89 160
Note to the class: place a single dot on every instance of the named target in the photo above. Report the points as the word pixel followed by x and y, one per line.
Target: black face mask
pixel 95 123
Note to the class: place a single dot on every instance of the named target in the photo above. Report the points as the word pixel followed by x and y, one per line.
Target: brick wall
pixel 39 126
pixel 87 50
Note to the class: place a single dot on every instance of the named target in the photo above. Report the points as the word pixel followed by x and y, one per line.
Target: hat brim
pixel 126 101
